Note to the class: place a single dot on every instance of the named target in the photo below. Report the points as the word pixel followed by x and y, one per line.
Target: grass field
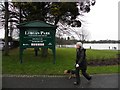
pixel 65 59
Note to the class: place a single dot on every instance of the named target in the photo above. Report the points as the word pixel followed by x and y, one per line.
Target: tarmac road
pixel 20 81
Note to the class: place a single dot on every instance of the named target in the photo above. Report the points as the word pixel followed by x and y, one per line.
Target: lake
pixel 100 46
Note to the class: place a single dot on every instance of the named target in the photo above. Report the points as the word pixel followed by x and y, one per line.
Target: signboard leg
pixel 21 54
pixel 36 51
pixel 54 56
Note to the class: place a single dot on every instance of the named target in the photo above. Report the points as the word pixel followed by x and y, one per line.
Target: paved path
pixel 98 81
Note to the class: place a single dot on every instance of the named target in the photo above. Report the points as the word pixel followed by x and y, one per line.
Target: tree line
pixel 62 41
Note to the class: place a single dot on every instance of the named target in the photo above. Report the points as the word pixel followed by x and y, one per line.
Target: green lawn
pixel 65 59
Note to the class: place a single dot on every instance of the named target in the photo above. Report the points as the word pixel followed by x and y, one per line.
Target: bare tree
pixel 79 33
pixel 83 34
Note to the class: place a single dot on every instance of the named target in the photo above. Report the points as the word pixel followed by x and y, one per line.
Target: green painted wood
pixel 37 34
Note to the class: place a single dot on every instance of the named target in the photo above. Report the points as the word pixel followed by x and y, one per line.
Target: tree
pixel 68 21
pixel 6 29
pixel 13 18
pixel 52 12
pixel 45 11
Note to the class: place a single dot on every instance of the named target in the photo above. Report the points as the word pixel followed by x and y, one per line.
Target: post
pixel 20 47
pixel 21 54
pixel 36 51
pixel 54 55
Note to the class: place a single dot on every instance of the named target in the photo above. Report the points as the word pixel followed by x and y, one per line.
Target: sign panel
pixel 37 38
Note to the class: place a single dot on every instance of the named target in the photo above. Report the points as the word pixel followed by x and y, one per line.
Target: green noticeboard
pixel 37 34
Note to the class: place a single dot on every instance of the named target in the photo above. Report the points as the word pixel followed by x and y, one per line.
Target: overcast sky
pixel 102 21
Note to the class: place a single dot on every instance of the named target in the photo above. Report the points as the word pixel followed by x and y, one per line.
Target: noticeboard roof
pixel 36 24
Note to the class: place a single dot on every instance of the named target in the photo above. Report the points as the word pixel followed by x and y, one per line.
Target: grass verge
pixel 65 59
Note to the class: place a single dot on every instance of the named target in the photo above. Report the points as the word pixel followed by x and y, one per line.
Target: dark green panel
pixel 31 38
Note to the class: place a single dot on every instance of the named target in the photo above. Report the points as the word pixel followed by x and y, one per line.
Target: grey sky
pixel 103 20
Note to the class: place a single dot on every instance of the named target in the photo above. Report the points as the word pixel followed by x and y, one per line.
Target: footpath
pixel 45 81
